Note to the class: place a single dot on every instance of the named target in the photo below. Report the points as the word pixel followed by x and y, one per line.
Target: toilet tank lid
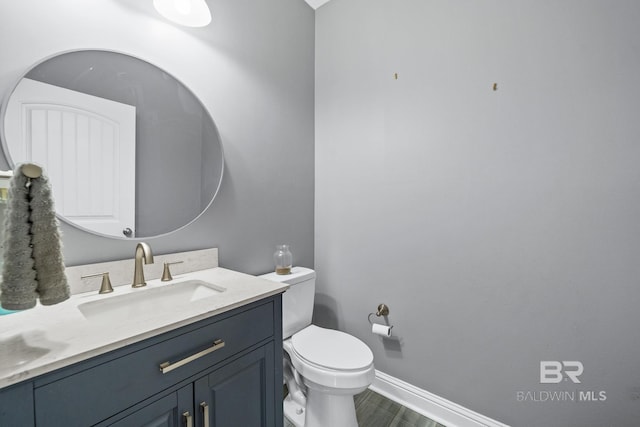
pixel 297 275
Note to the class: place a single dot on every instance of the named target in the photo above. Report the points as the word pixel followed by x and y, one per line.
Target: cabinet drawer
pixel 92 395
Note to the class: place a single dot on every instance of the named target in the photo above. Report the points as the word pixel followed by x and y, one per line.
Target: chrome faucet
pixel 143 251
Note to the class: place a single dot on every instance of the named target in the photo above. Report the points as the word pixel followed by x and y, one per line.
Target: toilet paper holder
pixel 377 328
pixel 383 310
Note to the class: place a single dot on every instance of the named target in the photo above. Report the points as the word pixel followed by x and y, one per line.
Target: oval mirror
pixel 129 150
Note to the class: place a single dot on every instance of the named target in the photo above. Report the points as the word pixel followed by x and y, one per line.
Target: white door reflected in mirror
pixel 87 147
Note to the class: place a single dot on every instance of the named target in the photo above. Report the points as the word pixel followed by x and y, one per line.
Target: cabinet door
pixel 240 393
pixel 173 410
pixel 16 405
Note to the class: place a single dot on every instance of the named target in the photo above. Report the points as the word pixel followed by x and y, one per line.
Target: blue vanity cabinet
pixel 234 394
pixel 231 362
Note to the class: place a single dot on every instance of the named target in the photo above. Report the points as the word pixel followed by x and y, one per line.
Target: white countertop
pixel 43 339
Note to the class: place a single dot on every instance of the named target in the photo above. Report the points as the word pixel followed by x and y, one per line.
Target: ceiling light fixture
pixel 190 13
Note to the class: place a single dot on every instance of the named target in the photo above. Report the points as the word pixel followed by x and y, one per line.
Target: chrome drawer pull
pixel 188 420
pixel 205 413
pixel 168 366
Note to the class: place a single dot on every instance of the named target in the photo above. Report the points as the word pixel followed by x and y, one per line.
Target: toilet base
pixel 322 410
pixel 330 410
pixel 293 412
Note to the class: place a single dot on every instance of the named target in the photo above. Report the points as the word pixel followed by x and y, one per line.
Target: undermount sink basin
pixel 149 300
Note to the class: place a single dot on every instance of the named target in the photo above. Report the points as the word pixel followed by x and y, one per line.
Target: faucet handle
pixel 166 273
pixel 106 287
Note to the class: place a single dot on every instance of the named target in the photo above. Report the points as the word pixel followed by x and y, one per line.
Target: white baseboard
pixel 428 404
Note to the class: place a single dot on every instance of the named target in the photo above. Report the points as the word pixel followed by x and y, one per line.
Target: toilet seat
pixel 331 349
pixel 331 358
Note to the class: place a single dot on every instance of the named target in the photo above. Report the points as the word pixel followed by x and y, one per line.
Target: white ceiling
pixel 316 3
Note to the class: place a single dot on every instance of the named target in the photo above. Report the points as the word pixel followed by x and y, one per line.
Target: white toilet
pixel 323 368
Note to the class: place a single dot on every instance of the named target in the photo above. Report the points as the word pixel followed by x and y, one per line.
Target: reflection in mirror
pixel 129 150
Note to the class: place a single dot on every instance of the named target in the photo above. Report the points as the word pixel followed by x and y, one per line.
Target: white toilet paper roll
pixel 382 330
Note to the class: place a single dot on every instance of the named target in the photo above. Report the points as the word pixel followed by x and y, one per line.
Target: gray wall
pixel 252 68
pixel 501 227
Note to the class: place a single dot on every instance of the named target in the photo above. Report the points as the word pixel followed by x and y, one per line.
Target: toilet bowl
pixel 333 366
pixel 323 368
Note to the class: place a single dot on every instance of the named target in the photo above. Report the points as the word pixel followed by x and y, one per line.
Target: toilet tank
pixel 297 301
